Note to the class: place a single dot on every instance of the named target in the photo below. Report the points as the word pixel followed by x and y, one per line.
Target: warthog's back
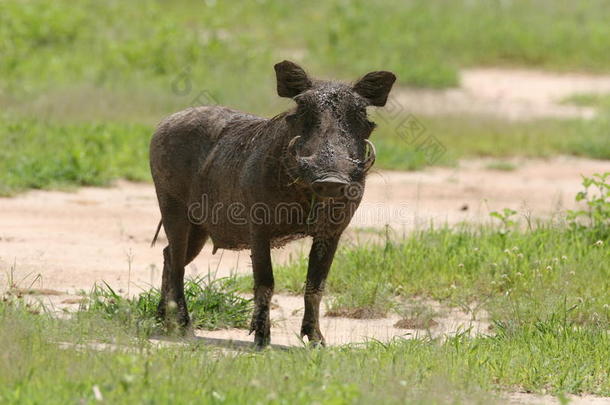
pixel 181 144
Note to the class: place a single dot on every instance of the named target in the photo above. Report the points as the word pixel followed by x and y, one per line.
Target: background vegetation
pixel 83 83
pixel 228 48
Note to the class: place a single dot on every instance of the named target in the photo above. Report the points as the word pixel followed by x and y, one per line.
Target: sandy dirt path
pixel 534 399
pixel 514 94
pixel 67 241
pixel 73 239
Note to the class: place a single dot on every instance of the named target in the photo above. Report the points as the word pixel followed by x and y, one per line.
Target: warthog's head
pixel 329 129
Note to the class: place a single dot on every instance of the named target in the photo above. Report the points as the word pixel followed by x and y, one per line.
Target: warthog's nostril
pixel 329 187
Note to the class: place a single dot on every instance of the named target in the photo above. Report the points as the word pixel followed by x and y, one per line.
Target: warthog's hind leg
pixel 172 307
pixel 263 291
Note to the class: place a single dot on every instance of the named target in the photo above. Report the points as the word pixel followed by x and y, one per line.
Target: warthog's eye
pixel 362 118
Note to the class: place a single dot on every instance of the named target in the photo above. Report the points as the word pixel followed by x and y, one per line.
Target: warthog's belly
pixel 229 224
pixel 222 238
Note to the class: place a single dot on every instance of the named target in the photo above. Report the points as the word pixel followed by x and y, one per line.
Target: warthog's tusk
pixel 291 146
pixel 371 154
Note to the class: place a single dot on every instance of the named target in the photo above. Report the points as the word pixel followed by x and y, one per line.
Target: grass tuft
pixel 509 271
pixel 500 165
pixel 588 100
pixel 213 303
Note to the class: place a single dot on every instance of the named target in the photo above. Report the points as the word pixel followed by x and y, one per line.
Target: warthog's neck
pixel 279 161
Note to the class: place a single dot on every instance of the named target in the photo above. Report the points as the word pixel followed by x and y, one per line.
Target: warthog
pixel 255 183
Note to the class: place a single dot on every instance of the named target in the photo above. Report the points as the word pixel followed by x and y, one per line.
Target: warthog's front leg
pixel 320 258
pixel 263 291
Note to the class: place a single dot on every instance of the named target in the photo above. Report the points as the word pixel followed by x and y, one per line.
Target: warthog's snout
pixel 330 186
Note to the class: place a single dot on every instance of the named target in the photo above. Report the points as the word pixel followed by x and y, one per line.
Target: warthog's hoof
pixel 175 318
pixel 262 336
pixel 315 337
pixel 261 341
pixel 261 326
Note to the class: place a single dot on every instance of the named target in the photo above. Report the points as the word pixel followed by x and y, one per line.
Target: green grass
pixel 50 153
pixel 514 271
pixel 467 137
pixel 39 154
pixel 228 49
pixel 501 165
pixel 588 100
pixel 213 303
pixel 39 364
pixel 521 274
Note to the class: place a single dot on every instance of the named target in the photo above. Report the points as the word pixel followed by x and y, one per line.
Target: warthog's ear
pixel 291 79
pixel 375 87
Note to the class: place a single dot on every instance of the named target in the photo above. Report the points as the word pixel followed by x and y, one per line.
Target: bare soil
pixel 74 238
pixel 58 242
pixel 534 399
pixel 514 94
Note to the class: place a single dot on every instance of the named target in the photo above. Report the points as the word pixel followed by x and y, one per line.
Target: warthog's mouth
pixel 331 186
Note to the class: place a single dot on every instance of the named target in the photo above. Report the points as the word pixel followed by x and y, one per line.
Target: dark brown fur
pixel 249 183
